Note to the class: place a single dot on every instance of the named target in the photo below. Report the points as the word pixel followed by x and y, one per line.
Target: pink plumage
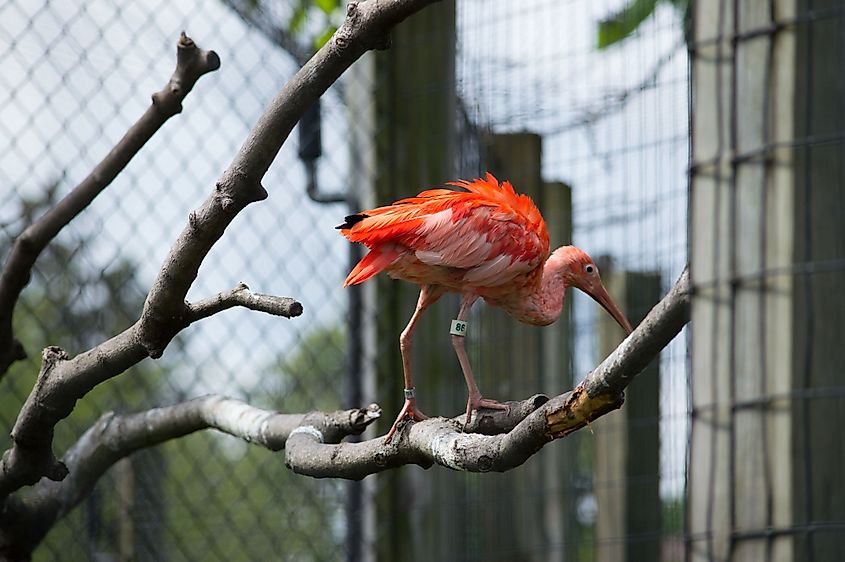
pixel 483 240
pixel 485 236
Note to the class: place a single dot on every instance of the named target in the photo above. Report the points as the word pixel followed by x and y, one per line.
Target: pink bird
pixel 483 240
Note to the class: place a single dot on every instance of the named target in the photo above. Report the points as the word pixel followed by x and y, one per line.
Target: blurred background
pixel 651 133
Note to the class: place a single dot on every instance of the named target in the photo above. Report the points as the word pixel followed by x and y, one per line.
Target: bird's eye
pixel 589 268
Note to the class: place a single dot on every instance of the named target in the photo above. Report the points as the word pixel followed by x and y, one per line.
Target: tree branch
pixel 366 27
pixel 63 381
pixel 242 296
pixel 25 521
pixel 191 64
pixel 440 441
pixel 495 440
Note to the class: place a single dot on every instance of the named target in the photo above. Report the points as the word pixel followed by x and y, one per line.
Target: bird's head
pixel 580 271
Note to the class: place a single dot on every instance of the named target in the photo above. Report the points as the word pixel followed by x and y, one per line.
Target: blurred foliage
pixel 320 355
pixel 300 27
pixel 75 302
pixel 157 500
pixel 622 24
pixel 673 516
pixel 286 516
pixel 255 489
pixel 322 14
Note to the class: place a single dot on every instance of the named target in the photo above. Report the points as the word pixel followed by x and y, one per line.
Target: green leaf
pixel 324 38
pixel 298 18
pixel 622 24
pixel 328 6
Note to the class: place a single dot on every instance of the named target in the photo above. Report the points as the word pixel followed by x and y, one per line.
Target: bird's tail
pixel 375 261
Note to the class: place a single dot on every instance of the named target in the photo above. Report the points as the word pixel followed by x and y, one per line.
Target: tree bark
pixel 64 380
pixel 191 64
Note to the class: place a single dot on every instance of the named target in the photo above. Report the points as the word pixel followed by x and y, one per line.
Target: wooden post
pixel 766 456
pixel 442 515
pixel 557 523
pixel 509 365
pixel 514 360
pixel 511 354
pixel 818 305
pixel 627 442
pixel 415 135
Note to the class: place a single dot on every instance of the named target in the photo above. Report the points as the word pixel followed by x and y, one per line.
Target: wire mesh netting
pixel 75 76
pixel 765 470
pixel 607 131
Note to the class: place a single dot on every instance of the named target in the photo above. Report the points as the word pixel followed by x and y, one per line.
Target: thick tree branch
pixel 191 64
pixel 63 381
pixel 242 296
pixel 441 441
pixel 25 521
pixel 602 389
pixel 495 440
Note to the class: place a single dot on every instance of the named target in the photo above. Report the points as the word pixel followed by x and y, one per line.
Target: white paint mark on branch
pixel 449 447
pixel 309 430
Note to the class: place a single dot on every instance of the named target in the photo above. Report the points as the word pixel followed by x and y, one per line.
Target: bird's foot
pixel 476 402
pixel 409 410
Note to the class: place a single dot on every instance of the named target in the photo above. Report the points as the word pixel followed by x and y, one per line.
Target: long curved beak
pixel 602 297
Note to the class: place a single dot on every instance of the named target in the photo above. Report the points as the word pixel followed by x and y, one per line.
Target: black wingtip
pixel 351 221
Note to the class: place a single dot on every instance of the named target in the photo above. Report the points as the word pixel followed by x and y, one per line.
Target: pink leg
pixel 428 296
pixel 475 400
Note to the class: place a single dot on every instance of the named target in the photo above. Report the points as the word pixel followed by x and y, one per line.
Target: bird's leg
pixel 475 400
pixel 428 295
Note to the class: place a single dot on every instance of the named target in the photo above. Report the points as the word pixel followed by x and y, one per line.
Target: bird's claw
pixel 477 402
pixel 409 410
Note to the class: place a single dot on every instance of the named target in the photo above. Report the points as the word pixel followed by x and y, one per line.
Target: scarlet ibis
pixel 482 240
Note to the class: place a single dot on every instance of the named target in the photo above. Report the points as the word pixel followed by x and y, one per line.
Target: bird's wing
pixel 492 244
pixel 488 230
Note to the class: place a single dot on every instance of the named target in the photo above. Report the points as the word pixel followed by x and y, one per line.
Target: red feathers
pixel 375 261
pixel 484 241
pixel 485 236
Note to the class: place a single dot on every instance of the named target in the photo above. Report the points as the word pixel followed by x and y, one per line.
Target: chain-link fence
pixel 613 129
pixel 75 76
pixel 767 246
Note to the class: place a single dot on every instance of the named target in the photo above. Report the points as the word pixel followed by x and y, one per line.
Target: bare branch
pixel 242 296
pixel 440 441
pixel 191 64
pixel 25 521
pixel 312 441
pixel 366 27
pixel 607 382
pixel 63 381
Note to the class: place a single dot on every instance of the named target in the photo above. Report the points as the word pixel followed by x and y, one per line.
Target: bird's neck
pixel 550 295
pixel 543 302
